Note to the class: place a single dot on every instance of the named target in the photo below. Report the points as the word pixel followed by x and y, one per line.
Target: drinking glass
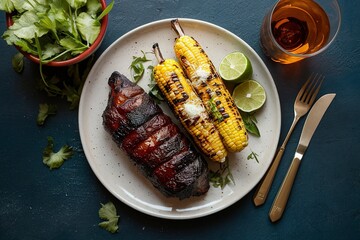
pixel 297 29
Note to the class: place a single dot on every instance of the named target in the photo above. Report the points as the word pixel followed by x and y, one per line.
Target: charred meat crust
pixel 149 137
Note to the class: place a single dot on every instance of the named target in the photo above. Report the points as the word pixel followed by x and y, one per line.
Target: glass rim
pixel 338 11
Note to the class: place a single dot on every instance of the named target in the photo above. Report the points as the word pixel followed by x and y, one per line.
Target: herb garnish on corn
pixel 188 107
pixel 211 89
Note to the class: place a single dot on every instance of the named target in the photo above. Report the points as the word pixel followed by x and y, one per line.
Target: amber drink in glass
pixel 298 29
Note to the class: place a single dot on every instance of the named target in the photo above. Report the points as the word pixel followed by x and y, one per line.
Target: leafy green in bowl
pixel 56 32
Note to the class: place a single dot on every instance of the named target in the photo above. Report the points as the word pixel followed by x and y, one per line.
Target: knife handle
pixel 265 185
pixel 283 194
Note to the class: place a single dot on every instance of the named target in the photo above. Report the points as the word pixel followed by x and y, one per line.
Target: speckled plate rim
pixel 114 169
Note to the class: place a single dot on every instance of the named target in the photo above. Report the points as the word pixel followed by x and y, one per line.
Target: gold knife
pixel 311 123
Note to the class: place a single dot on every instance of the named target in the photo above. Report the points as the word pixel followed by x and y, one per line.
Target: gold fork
pixel 303 103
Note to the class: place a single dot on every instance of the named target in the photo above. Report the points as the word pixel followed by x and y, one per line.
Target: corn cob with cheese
pixel 182 98
pixel 211 89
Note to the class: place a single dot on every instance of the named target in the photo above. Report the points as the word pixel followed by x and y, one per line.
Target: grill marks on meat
pixel 177 174
pixel 153 141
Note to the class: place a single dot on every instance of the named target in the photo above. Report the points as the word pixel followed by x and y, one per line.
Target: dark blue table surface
pixel 36 203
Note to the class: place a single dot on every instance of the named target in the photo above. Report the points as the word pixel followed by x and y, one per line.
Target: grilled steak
pixel 149 137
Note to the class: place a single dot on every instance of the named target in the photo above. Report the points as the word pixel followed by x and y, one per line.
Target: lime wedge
pixel 249 96
pixel 235 67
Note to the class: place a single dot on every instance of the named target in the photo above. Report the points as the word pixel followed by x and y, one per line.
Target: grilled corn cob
pixel 182 98
pixel 211 89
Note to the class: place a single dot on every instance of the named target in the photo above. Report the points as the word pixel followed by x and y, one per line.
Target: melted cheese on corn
pixel 200 75
pixel 193 110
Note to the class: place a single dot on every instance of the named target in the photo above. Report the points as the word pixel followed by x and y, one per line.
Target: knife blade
pixel 312 121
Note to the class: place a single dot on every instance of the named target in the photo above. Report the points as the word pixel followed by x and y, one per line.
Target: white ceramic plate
pixel 115 170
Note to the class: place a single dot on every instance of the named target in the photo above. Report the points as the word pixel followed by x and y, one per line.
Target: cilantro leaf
pixel 76 3
pixel 222 176
pixel 214 110
pixel 56 159
pixel 253 155
pixel 154 91
pixel 67 84
pixel 72 96
pixel 137 68
pixel 51 87
pixel 106 10
pixel 44 111
pixel 250 123
pixel 51 50
pixel 12 39
pixel 18 62
pixel 72 44
pixel 50 22
pixel 22 6
pixel 61 12
pixel 93 7
pixel 7 6
pixel 108 212
pixel 25 26
pixel 88 27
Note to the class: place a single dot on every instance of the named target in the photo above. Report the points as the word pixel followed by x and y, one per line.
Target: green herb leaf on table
pixel 18 62
pixel 68 83
pixel 108 213
pixel 44 111
pixel 72 96
pixel 52 87
pixel 56 159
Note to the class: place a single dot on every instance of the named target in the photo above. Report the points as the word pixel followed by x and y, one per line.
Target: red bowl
pixel 78 58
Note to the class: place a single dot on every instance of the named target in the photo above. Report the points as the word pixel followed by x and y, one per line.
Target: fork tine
pixel 303 88
pixel 316 91
pixel 311 89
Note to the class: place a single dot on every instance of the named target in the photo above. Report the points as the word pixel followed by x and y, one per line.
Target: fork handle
pixel 281 199
pixel 265 185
